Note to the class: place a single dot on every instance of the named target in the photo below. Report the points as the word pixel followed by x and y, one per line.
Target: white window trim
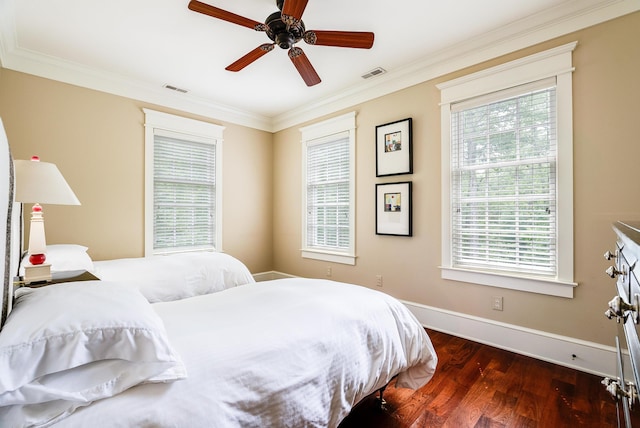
pixel 556 63
pixel 336 125
pixel 195 130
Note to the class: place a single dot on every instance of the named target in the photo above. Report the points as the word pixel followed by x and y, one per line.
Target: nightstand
pixel 73 275
pixel 57 278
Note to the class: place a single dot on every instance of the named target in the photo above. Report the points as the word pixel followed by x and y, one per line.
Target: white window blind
pixel 503 181
pixel 184 194
pixel 328 173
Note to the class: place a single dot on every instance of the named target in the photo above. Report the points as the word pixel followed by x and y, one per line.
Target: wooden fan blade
pixel 304 67
pixel 293 9
pixel 344 39
pixel 250 57
pixel 215 12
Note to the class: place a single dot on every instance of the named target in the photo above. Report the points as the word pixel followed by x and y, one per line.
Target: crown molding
pixel 28 62
pixel 569 17
pixel 555 22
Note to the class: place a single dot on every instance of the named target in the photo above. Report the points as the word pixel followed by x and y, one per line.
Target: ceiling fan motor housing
pixel 283 36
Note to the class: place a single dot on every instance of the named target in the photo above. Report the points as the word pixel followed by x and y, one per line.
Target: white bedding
pixel 176 276
pixel 67 345
pixel 284 353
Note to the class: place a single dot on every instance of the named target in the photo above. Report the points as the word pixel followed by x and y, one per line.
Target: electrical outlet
pixel 328 271
pixel 379 280
pixel 497 303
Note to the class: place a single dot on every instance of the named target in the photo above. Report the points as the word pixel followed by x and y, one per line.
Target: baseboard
pixel 566 351
pixel 270 275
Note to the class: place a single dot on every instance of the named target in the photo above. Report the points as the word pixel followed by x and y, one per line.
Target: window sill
pixel 548 286
pixel 169 251
pixel 328 256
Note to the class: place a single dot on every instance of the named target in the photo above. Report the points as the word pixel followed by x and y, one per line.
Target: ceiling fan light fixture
pixel 284 39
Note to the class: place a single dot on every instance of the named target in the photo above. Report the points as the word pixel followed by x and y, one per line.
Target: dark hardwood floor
pixel 480 386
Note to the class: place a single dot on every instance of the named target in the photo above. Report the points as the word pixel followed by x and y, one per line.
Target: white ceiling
pixel 134 47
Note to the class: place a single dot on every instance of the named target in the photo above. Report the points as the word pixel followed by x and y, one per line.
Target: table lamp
pixel 40 183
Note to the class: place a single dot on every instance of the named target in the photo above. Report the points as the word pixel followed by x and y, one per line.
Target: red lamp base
pixel 37 259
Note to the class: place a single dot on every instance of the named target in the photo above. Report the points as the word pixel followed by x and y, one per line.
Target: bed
pixel 155 277
pixel 288 353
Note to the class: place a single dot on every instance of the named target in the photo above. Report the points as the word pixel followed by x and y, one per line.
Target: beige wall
pixel 97 141
pixel 606 154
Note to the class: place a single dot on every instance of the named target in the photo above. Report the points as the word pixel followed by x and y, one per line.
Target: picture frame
pixel 394 206
pixel 394 148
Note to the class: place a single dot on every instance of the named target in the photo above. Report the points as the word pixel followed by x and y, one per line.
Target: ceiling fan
pixel 285 28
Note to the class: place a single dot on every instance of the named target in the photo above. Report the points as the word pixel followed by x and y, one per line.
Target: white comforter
pixel 285 353
pixel 176 276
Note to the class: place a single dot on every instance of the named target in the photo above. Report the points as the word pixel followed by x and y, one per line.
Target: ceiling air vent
pixel 375 72
pixel 175 88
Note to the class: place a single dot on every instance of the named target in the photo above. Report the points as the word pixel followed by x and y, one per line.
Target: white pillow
pixel 66 345
pixel 177 276
pixel 63 258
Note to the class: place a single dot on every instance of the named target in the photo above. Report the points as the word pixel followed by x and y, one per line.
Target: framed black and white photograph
pixel 393 208
pixel 394 148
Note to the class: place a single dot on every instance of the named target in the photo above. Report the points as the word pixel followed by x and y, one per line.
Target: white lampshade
pixel 42 182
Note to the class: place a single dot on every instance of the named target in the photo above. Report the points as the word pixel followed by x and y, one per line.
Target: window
pixel 329 196
pixel 182 182
pixel 507 175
